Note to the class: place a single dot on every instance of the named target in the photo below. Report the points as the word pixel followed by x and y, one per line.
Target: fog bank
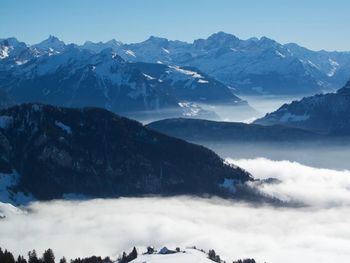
pixel 317 233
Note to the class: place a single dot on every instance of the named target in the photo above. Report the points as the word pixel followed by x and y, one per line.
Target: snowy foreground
pixel 186 256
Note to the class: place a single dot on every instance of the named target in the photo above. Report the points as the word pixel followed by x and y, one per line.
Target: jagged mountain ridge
pixel 55 151
pixel 260 66
pixel 78 77
pixel 324 113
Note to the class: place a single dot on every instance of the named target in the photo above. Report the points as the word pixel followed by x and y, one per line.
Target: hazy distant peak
pixel 222 35
pixel 219 39
pixel 157 40
pixel 114 42
pixel 51 42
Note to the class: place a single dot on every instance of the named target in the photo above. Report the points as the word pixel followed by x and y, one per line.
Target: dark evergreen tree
pixel 21 259
pixel 247 260
pixel 132 255
pixel 63 260
pixel 48 256
pixel 6 257
pixel 32 257
pixel 212 254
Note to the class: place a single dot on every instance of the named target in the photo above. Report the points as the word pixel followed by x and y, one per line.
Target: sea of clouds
pixel 318 232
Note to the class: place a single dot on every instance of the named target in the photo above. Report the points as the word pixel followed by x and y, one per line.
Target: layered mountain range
pixel 252 66
pixel 258 66
pixel 322 117
pixel 68 75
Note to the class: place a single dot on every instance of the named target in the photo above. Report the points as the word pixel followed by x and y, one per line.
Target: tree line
pixel 49 257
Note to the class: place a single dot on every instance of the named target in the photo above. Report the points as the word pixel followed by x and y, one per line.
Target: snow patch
pixel 148 76
pixel 166 51
pixel 130 53
pixel 202 81
pixel 334 65
pixel 21 62
pixel 7 210
pixel 4 52
pixel 64 127
pixel 279 54
pixel 190 109
pixel 193 74
pixel 312 64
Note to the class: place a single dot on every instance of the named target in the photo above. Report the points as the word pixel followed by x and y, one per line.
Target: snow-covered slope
pixel 7 210
pixel 51 151
pixel 326 113
pixel 186 256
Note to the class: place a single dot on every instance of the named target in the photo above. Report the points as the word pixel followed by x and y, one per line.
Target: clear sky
pixel 316 24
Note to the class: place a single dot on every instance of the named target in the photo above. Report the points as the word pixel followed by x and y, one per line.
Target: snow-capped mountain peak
pixel 51 44
pixel 157 40
pixel 220 39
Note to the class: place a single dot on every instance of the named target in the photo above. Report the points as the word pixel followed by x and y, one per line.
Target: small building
pixel 166 251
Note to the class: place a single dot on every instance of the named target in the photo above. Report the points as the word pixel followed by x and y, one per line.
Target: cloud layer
pixel 318 233
pixel 312 186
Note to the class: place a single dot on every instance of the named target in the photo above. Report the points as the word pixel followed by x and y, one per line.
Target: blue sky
pixel 316 24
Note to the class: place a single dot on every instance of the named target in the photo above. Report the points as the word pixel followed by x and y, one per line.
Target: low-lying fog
pixel 332 154
pixel 318 232
pixel 258 107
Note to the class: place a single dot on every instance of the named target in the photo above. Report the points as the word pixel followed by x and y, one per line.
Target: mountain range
pixel 258 66
pixel 318 118
pixel 252 66
pixel 67 75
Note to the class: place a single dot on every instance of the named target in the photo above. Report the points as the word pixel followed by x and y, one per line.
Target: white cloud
pixel 318 233
pixel 313 186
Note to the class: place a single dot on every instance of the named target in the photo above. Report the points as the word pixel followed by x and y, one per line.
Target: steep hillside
pixel 49 151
